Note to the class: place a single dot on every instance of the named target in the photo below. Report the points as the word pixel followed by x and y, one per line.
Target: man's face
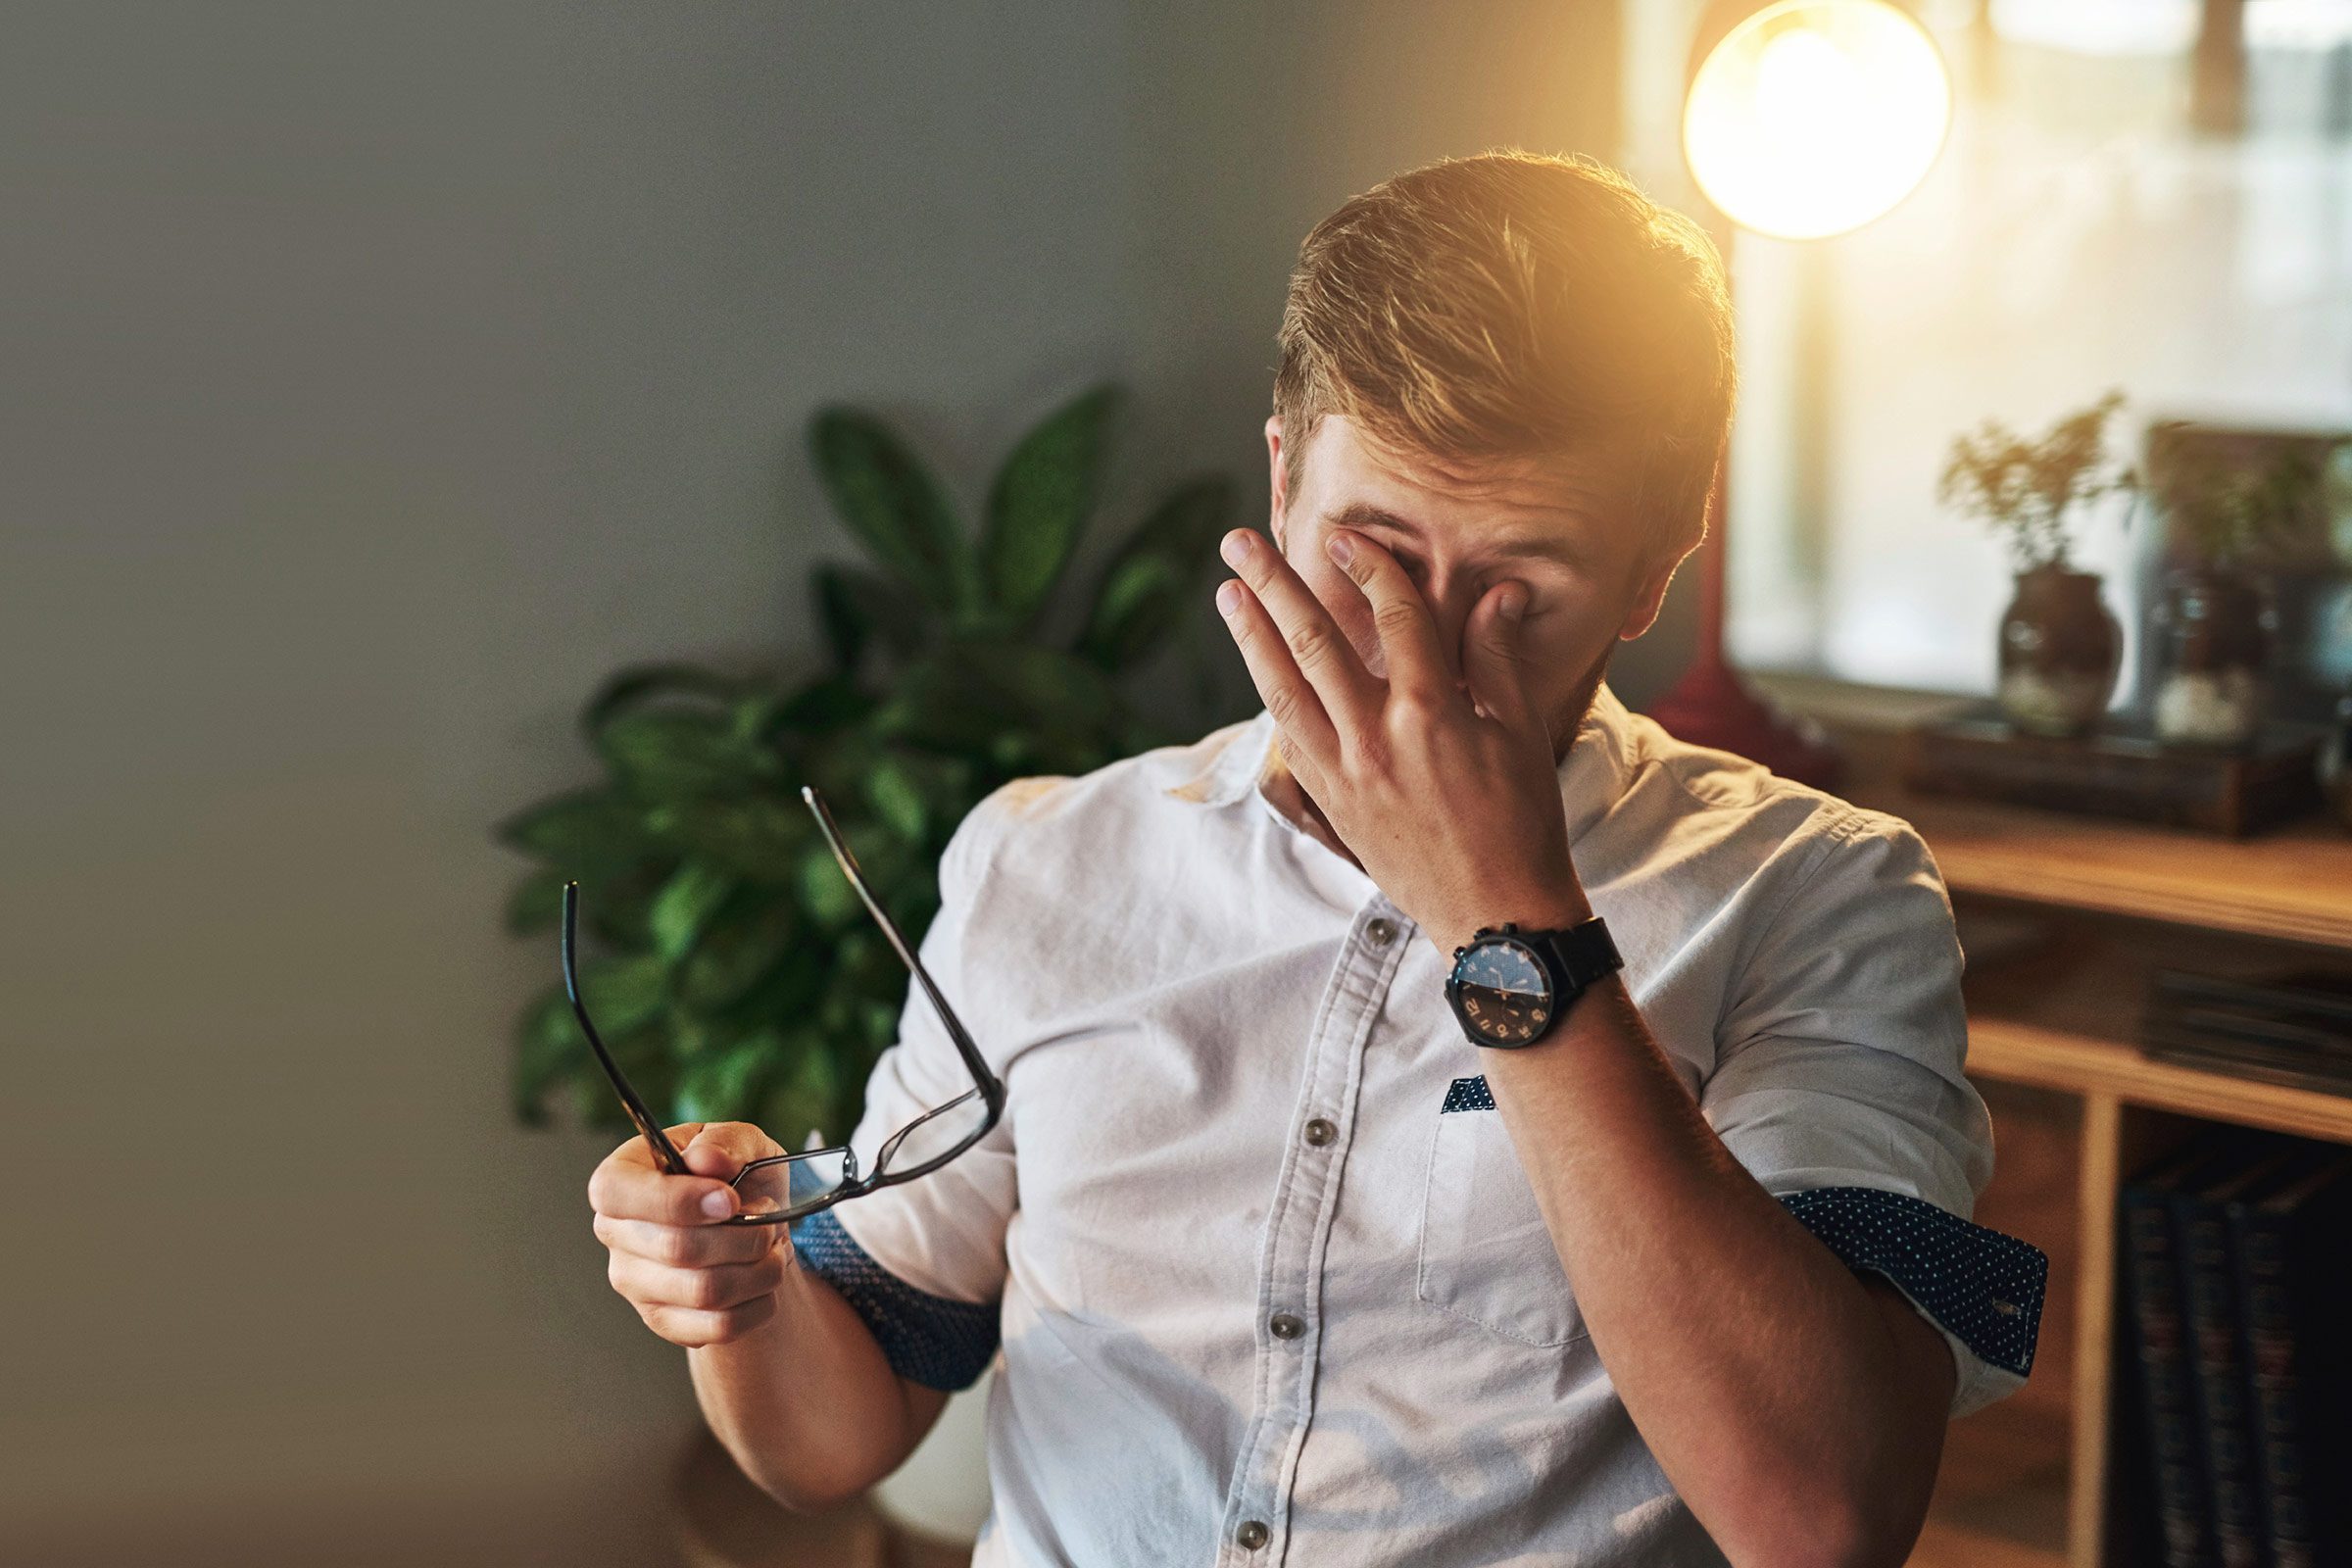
pixel 1594 575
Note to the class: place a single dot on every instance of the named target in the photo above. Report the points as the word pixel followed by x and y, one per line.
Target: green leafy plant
pixel 2030 491
pixel 2228 511
pixel 727 961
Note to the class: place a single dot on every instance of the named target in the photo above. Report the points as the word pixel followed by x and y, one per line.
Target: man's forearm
pixel 1762 1373
pixel 806 1402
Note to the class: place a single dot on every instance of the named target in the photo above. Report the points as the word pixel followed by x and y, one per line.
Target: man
pixel 1662 1257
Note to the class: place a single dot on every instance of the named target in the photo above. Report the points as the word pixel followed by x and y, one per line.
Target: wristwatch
pixel 1509 986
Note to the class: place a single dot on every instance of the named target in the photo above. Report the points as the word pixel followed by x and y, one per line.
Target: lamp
pixel 1801 119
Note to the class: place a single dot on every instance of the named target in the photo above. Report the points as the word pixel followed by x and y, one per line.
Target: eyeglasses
pixel 789 1187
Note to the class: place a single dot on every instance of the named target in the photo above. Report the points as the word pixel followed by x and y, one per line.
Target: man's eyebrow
pixel 1551 546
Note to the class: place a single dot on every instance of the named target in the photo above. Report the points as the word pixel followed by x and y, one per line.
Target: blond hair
pixel 1513 305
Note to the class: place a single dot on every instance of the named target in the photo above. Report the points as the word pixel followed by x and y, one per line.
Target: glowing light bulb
pixel 1813 117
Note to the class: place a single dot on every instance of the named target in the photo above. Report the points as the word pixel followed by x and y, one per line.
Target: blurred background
pixel 381 379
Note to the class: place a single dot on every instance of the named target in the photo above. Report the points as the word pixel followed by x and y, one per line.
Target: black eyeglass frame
pixel 986 1084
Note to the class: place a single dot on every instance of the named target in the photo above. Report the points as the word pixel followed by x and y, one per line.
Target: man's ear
pixel 1649 593
pixel 1274 464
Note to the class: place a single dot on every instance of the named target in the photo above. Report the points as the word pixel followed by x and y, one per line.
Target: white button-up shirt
pixel 1261 1275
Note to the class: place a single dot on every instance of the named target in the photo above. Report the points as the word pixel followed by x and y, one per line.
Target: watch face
pixel 1505 994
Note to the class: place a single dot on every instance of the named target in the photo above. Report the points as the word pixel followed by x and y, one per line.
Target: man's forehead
pixel 1358 481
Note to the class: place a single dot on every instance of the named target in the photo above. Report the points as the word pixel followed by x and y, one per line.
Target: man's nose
pixel 1448 596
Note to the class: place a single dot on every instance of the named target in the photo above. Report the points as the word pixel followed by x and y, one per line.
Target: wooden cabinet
pixel 2063 919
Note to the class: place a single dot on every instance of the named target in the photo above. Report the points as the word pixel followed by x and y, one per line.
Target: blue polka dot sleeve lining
pixel 926 1339
pixel 1985 1288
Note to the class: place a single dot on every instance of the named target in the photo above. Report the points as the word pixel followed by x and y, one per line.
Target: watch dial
pixel 1505 992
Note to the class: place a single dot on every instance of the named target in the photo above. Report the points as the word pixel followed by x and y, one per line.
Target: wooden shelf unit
pixel 2063 919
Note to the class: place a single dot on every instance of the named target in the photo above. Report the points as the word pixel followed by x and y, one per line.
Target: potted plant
pixel 726 960
pixel 2060 646
pixel 2214 625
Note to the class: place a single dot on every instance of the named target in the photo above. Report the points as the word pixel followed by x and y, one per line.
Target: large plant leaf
pixel 889 500
pixel 683 909
pixel 757 837
pixel 1058 692
pixel 1144 588
pixel 537 903
pixel 921 795
pixel 723 1081
pixel 977 696
pixel 648 683
pixel 942 706
pixel 811 1092
pixel 790 986
pixel 586 834
pixel 1040 504
pixel 858 609
pixel 825 895
pixel 660 755
pixel 548 1048
pixel 822 707
pixel 896 799
pixel 624 995
pixel 744 944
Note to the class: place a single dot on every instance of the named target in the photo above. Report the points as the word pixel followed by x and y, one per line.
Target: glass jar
pixel 2061 648
pixel 2212 631
pixel 2335 764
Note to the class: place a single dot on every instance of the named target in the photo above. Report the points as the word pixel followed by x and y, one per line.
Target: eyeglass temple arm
pixel 666 1153
pixel 990 1088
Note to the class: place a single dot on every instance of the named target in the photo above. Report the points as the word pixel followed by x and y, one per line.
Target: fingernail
pixel 1229 597
pixel 1341 548
pixel 719 1204
pixel 1235 548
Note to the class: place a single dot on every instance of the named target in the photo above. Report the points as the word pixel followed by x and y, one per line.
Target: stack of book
pixel 2289 1028
pixel 2238 1276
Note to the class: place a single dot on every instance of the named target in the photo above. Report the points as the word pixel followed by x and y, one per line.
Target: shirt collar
pixel 1227 764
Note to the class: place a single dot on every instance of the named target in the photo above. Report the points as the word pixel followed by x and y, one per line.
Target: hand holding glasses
pixel 789 1187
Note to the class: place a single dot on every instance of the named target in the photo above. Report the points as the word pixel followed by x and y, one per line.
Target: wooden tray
pixel 2121 772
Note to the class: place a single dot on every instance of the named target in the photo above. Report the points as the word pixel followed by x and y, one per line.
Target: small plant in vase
pixel 2214 624
pixel 2060 646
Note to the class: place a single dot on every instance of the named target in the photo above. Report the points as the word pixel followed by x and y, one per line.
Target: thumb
pixel 1491 660
pixel 723 1148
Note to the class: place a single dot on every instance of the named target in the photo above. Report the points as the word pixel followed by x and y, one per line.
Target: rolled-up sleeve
pixel 923 1262
pixel 1838 1084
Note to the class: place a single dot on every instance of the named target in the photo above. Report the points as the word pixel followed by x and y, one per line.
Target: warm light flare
pixel 1813 117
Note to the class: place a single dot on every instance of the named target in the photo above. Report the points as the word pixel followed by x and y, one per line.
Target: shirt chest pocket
pixel 1485 1254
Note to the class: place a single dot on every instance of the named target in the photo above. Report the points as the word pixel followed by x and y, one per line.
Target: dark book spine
pixel 2153 1284
pixel 2217 1366
pixel 2276 1388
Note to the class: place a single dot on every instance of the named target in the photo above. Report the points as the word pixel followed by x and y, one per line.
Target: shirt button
pixel 1320 1132
pixel 1253 1533
pixel 1381 932
pixel 1286 1327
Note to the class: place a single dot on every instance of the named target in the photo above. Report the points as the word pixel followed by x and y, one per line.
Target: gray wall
pixel 377 378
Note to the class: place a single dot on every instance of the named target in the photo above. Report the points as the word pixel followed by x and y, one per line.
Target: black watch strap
pixel 1581 954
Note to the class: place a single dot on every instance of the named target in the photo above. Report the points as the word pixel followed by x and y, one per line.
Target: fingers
pixel 694 1330
pixel 720 1288
pixel 722 1148
pixel 1409 636
pixel 1493 659
pixel 688 1245
pixel 1309 676
pixel 631 1188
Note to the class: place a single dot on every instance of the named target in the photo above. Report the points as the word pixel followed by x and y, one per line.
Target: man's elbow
pixel 1837 1536
pixel 1857 1505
